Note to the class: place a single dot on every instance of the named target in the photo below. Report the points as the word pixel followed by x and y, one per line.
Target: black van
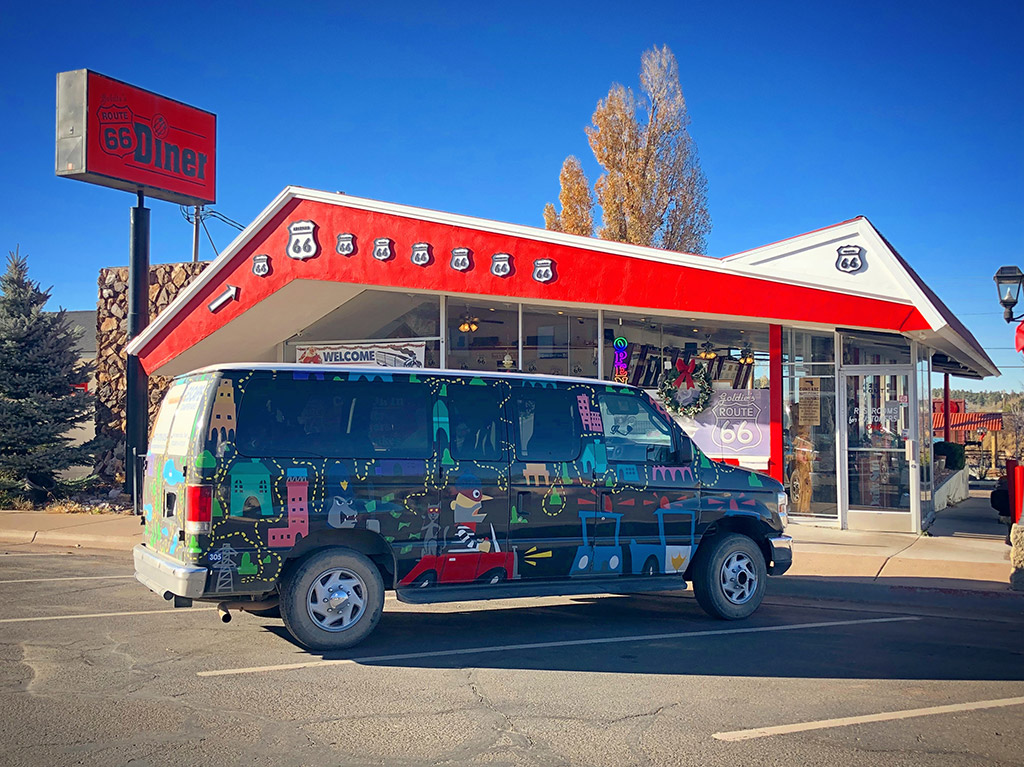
pixel 309 490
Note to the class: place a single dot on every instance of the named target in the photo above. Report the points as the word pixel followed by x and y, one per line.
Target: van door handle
pixel 521 501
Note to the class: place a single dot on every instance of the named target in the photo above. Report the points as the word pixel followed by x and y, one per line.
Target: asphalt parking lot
pixel 97 670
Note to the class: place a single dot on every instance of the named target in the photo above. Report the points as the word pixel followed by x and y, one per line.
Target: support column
pixel 775 462
pixel 945 407
pixel 136 424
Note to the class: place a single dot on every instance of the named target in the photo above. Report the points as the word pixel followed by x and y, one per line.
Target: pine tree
pixel 39 406
pixel 653 191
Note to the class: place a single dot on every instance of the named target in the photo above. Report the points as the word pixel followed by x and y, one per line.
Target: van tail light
pixel 198 508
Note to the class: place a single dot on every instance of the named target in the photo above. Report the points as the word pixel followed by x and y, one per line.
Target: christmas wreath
pixel 689 392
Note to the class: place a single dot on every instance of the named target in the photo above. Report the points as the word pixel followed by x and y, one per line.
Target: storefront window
pixel 559 341
pixel 809 423
pixel 875 349
pixel 411 321
pixel 482 335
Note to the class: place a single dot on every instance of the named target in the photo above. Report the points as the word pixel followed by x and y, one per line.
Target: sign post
pixel 117 135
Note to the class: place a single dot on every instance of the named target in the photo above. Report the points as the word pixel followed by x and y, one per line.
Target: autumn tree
pixel 577 216
pixel 652 191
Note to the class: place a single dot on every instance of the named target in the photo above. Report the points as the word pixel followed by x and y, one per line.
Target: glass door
pixel 881 432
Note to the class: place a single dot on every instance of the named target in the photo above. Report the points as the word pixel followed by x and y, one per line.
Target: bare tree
pixel 577 216
pixel 653 191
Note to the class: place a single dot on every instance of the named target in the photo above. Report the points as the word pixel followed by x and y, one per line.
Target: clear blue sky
pixel 804 115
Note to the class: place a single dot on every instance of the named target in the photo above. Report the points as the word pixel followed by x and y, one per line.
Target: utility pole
pixel 136 426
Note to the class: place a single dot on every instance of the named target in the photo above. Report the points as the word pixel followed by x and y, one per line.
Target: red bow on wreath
pixel 685 373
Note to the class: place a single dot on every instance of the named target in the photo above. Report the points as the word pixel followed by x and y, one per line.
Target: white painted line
pixel 846 721
pixel 101 615
pixel 70 578
pixel 47 554
pixel 545 645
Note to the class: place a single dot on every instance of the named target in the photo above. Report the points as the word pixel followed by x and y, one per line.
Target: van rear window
pixel 334 419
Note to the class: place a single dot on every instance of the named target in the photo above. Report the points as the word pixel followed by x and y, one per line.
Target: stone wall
pixel 166 281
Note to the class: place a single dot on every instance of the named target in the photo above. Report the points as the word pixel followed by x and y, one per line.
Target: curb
pixel 69 540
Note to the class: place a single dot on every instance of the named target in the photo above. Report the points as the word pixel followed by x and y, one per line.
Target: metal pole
pixel 195 236
pixel 945 408
pixel 136 427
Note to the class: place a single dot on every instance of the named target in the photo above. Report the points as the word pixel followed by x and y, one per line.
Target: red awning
pixel 969 421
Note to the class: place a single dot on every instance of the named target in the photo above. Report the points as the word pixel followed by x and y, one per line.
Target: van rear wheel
pixel 729 577
pixel 332 600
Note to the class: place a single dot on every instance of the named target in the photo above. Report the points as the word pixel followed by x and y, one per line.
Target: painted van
pixel 307 491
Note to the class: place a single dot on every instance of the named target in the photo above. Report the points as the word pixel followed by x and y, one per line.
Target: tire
pixel 729 577
pixel 332 600
pixel 650 566
pixel 492 577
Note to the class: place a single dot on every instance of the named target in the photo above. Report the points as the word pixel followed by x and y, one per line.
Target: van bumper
pixel 782 554
pixel 164 575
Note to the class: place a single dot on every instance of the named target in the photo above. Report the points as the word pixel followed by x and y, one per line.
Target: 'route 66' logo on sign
pixel 346 244
pixel 460 259
pixel 261 265
pixel 117 130
pixel 302 242
pixel 544 270
pixel 501 265
pixel 850 259
pixel 421 253
pixel 382 249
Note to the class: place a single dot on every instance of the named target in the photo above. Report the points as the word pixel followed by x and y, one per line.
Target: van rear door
pixel 177 435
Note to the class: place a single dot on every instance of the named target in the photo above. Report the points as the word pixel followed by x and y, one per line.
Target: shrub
pixel 956 457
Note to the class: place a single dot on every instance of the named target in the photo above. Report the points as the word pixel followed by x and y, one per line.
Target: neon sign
pixel 620 365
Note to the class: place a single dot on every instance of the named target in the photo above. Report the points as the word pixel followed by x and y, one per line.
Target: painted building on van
pixel 810 359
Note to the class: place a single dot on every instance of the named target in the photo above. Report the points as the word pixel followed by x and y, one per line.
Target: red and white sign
pixel 114 134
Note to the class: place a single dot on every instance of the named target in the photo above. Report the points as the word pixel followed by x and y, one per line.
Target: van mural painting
pixel 446 519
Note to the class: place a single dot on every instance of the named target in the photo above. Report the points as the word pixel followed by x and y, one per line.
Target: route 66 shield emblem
pixel 346 244
pixel 849 259
pixel 543 270
pixel 261 265
pixel 382 249
pixel 460 259
pixel 421 253
pixel 302 242
pixel 117 130
pixel 501 265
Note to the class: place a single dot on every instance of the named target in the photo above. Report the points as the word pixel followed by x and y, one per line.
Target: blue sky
pixel 804 114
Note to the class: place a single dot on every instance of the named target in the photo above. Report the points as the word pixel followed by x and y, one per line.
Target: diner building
pixel 816 352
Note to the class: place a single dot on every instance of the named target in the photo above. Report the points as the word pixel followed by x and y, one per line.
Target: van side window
pixel 334 419
pixel 475 419
pixel 633 430
pixel 547 425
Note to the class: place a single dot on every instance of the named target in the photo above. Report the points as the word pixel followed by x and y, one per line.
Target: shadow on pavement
pixel 918 648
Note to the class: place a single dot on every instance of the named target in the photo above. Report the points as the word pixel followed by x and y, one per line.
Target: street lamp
pixel 1008 281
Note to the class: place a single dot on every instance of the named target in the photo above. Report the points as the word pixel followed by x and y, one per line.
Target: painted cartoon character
pixel 467 507
pixel 430 530
pixel 342 513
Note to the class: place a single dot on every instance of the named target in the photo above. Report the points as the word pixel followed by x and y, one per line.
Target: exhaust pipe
pixel 244 606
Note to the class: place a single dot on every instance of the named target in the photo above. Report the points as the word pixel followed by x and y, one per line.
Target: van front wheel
pixel 332 600
pixel 729 577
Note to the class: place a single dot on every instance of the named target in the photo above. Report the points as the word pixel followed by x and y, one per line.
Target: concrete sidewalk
pixel 958 555
pixel 95 531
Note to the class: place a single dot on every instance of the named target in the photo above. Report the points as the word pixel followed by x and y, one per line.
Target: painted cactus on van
pixel 462 479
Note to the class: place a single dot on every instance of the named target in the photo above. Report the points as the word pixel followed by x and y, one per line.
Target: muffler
pixel 224 608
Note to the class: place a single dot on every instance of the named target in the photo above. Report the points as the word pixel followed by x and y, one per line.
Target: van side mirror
pixel 683 452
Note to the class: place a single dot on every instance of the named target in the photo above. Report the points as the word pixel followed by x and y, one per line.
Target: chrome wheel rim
pixel 336 599
pixel 738 578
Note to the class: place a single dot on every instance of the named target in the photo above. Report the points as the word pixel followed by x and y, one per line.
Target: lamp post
pixel 1008 282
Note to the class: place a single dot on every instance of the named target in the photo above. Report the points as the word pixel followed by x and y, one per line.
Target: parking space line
pixel 100 615
pixel 69 578
pixel 846 721
pixel 546 645
pixel 37 554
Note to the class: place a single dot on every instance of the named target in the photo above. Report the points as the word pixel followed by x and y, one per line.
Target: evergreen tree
pixel 39 406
